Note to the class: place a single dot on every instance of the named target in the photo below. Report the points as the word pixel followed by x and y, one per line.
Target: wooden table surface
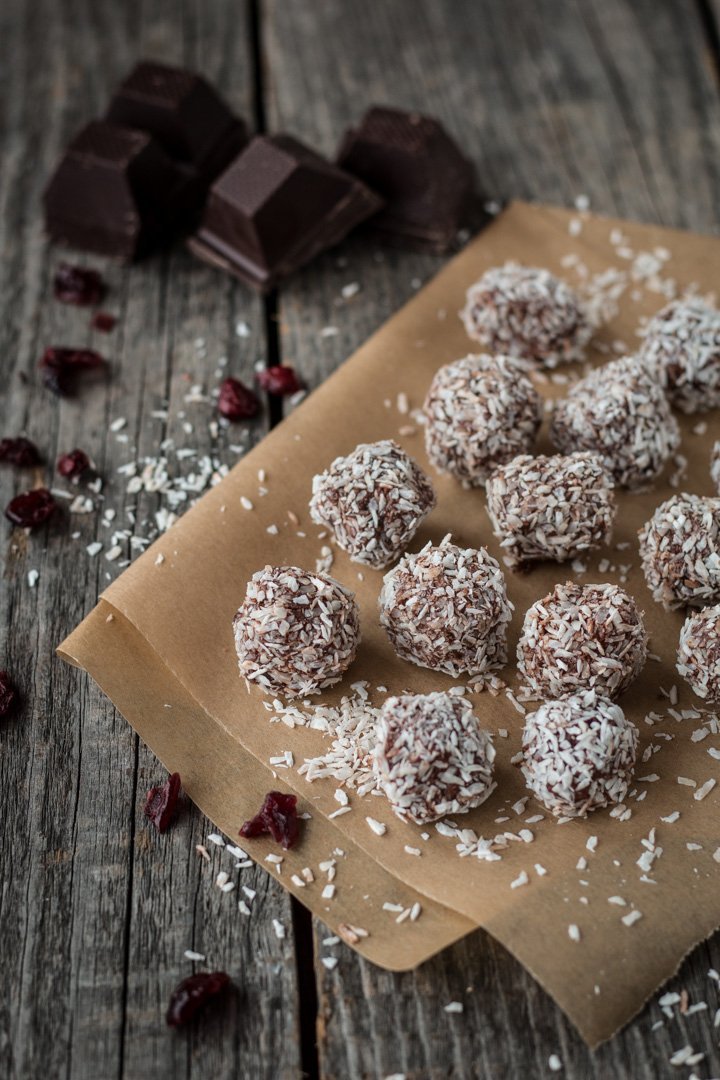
pixel 614 99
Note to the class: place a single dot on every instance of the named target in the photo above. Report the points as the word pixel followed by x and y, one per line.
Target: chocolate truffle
pixel 446 609
pixel 296 631
pixel 698 657
pixel 582 637
pixel 682 349
pixel 480 412
pixel 528 313
pixel 432 758
pixel 680 551
pixel 578 754
pixel 715 466
pixel 620 412
pixel 550 507
pixel 374 500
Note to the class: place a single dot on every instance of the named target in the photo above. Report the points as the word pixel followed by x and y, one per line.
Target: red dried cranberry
pixel 20 452
pixel 60 367
pixel 280 380
pixel 8 694
pixel 161 803
pixel 103 320
pixel 277 816
pixel 193 994
pixel 73 464
pixel 31 508
pixel 236 402
pixel 78 285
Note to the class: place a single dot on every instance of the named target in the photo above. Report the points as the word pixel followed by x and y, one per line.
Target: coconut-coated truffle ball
pixel 432 758
pixel 296 632
pixel 480 412
pixel 682 349
pixel 698 658
pixel 446 608
pixel 550 507
pixel 582 637
pixel 715 466
pixel 578 754
pixel 374 500
pixel 621 412
pixel 528 313
pixel 680 552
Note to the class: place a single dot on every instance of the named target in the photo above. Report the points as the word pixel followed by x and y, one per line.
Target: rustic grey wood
pixel 616 100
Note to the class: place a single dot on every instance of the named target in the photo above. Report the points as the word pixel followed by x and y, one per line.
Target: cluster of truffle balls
pixel 446 608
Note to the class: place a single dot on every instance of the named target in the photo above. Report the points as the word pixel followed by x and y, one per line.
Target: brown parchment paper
pixel 175 635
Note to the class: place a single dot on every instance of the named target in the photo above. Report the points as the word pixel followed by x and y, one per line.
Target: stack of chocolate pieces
pixel 139 177
pixel 170 159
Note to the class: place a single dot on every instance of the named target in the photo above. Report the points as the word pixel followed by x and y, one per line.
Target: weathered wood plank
pixel 96 909
pixel 617 101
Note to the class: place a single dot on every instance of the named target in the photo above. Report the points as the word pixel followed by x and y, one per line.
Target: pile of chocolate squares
pixel 170 160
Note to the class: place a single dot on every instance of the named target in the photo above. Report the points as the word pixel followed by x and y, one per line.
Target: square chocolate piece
pixel 427 184
pixel 275 207
pixel 111 192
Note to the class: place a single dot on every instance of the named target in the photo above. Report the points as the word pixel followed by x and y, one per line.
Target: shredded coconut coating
pixel 446 608
pixel 296 631
pixel 582 637
pixel 374 500
pixel 698 657
pixel 680 551
pixel 682 349
pixel 550 507
pixel 432 758
pixel 578 754
pixel 480 412
pixel 527 313
pixel 621 412
pixel 715 466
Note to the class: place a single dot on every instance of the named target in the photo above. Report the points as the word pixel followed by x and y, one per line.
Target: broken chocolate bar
pixel 275 207
pixel 183 112
pixel 111 192
pixel 418 169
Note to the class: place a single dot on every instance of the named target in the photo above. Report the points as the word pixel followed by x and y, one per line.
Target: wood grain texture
pixel 614 100
pixel 96 909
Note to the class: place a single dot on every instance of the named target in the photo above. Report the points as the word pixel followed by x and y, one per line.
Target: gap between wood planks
pixel 711 30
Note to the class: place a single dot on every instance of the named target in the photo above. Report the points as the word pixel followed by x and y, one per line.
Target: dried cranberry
pixel 8 694
pixel 31 508
pixel 103 320
pixel 20 452
pixel 236 402
pixel 60 367
pixel 280 380
pixel 73 464
pixel 161 803
pixel 193 994
pixel 277 816
pixel 78 285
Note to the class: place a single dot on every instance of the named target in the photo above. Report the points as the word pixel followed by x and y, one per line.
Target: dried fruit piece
pixel 30 509
pixel 20 452
pixel 73 465
pixel 161 803
pixel 193 993
pixel 237 402
pixel 103 320
pixel 8 695
pixel 78 285
pixel 61 366
pixel 277 816
pixel 280 380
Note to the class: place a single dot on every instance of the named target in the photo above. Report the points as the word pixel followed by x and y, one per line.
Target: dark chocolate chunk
pixel 183 112
pixel 413 163
pixel 275 207
pixel 112 192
